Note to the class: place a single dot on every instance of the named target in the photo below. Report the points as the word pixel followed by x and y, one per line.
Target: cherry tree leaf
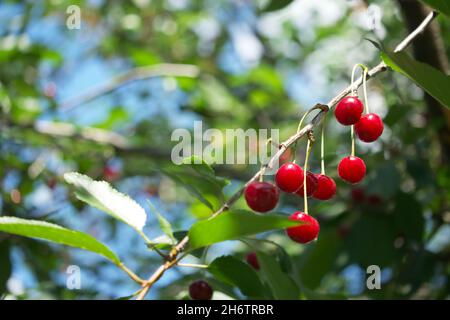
pixel 433 81
pixel 102 196
pixel 57 234
pixel 234 224
pixel 442 6
pixel 236 273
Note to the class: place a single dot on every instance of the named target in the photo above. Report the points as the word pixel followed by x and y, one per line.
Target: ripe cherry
pixel 369 128
pixel 252 260
pixel 352 169
pixel 326 187
pixel 110 174
pixel 261 196
pixel 289 177
pixel 306 232
pixel 200 290
pixel 311 185
pixel 349 110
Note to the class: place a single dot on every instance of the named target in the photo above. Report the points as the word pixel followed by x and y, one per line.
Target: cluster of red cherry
pixel 262 196
pixel 368 129
pixel 290 177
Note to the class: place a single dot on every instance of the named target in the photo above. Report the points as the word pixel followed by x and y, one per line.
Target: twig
pixel 132 275
pixel 192 265
pixel 163 69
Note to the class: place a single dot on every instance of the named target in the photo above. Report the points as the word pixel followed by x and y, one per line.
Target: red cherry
pixel 289 177
pixel 110 174
pixel 252 260
pixel 326 187
pixel 349 110
pixel 261 196
pixel 200 290
pixel 358 195
pixel 306 232
pixel 369 128
pixel 311 185
pixel 352 169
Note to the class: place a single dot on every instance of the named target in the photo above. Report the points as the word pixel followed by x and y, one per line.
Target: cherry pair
pixel 289 178
pixel 349 111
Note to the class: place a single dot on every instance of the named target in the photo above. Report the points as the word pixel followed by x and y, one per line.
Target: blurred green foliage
pixel 400 223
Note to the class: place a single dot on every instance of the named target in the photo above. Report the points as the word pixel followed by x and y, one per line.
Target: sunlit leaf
pixel 54 233
pixel 165 225
pixel 102 196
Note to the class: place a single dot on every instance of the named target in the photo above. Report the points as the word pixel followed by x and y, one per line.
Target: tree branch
pixel 172 260
pixel 164 69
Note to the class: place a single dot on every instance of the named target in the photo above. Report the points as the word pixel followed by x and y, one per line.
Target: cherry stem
pixel 263 167
pixel 322 147
pixel 366 101
pixel 365 71
pixel 300 126
pixel 305 170
pixel 352 133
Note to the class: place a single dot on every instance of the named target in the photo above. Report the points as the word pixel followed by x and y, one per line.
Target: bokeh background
pixel 100 101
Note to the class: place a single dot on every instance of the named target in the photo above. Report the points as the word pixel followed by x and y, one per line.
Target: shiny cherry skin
pixel 349 110
pixel 352 169
pixel 289 177
pixel 252 260
pixel 311 185
pixel 306 232
pixel 261 196
pixel 369 128
pixel 200 290
pixel 326 187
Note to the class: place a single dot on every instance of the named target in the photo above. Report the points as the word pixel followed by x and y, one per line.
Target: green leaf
pixel 408 216
pixel 425 76
pixel 274 5
pixel 102 196
pixel 164 242
pixel 115 116
pixel 165 225
pixel 198 178
pixel 236 273
pixel 234 224
pixel 54 233
pixel 282 286
pixel 319 258
pixel 442 6
pixel 371 241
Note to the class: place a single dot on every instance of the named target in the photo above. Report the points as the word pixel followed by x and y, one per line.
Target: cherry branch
pixel 307 129
pixel 157 70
